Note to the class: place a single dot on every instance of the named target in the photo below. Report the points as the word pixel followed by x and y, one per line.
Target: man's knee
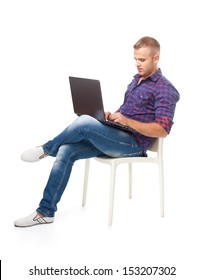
pixel 86 120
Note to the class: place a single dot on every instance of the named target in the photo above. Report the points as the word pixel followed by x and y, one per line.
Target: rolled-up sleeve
pixel 165 104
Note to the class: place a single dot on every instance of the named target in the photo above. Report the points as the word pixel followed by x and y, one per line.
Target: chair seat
pixel 125 160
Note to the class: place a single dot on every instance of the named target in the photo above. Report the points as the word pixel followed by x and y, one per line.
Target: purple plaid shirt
pixel 153 100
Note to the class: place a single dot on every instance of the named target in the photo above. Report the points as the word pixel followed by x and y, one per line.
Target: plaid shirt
pixel 153 100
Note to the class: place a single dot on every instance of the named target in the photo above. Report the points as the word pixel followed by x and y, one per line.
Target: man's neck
pixel 144 78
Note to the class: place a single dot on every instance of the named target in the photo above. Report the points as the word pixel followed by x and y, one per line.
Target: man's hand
pixel 119 118
pixel 107 116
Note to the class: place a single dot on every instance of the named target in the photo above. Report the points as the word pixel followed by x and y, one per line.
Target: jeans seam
pixel 108 138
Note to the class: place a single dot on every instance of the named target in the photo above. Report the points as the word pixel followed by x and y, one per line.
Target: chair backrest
pixel 157 148
pixel 154 146
pixel 157 145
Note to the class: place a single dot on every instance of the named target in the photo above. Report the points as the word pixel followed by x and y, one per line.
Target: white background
pixel 42 43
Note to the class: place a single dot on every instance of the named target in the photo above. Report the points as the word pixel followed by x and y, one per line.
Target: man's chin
pixel 141 73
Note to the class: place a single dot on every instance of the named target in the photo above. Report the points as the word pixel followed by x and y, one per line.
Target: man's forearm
pixel 151 129
pixel 148 129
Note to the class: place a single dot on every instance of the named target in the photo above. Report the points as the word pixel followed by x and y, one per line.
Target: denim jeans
pixel 84 138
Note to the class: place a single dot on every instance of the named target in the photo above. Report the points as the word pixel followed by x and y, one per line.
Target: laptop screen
pixel 87 97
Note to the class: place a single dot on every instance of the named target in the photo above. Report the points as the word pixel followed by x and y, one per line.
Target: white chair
pixel 156 148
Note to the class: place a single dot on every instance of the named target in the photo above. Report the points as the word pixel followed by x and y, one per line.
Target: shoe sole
pixel 34 225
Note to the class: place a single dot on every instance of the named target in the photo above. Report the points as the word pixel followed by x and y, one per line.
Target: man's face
pixel 146 61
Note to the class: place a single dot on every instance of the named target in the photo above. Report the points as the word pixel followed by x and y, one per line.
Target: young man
pixel 148 108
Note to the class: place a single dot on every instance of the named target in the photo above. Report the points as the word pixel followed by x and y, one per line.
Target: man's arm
pixel 152 129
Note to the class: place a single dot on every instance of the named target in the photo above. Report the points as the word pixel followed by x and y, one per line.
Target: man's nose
pixel 137 63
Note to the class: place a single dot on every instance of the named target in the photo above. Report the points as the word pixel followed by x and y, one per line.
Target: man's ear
pixel 156 58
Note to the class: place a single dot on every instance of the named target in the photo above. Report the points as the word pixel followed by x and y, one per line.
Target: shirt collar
pixel 154 77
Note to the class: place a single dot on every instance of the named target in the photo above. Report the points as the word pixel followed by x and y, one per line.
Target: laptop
pixel 87 100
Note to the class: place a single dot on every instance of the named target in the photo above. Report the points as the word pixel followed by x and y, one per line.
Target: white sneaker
pixel 34 154
pixel 32 220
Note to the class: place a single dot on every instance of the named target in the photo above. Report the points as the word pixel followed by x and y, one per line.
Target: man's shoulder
pixel 162 82
pixel 162 79
pixel 165 88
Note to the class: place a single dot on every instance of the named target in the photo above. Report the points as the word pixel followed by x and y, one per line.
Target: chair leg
pixel 87 166
pixel 130 179
pixel 161 183
pixel 112 191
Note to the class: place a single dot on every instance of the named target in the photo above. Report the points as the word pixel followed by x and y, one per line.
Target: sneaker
pixel 33 220
pixel 34 154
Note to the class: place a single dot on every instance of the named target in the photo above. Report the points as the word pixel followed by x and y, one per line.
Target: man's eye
pixel 140 60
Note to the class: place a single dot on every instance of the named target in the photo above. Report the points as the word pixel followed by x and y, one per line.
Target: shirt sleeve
pixel 165 103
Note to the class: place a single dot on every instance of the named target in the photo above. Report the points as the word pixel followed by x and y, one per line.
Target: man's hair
pixel 148 42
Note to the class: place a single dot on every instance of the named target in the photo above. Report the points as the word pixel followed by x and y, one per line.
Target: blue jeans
pixel 84 138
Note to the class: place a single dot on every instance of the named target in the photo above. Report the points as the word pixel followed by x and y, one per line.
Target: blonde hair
pixel 148 42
